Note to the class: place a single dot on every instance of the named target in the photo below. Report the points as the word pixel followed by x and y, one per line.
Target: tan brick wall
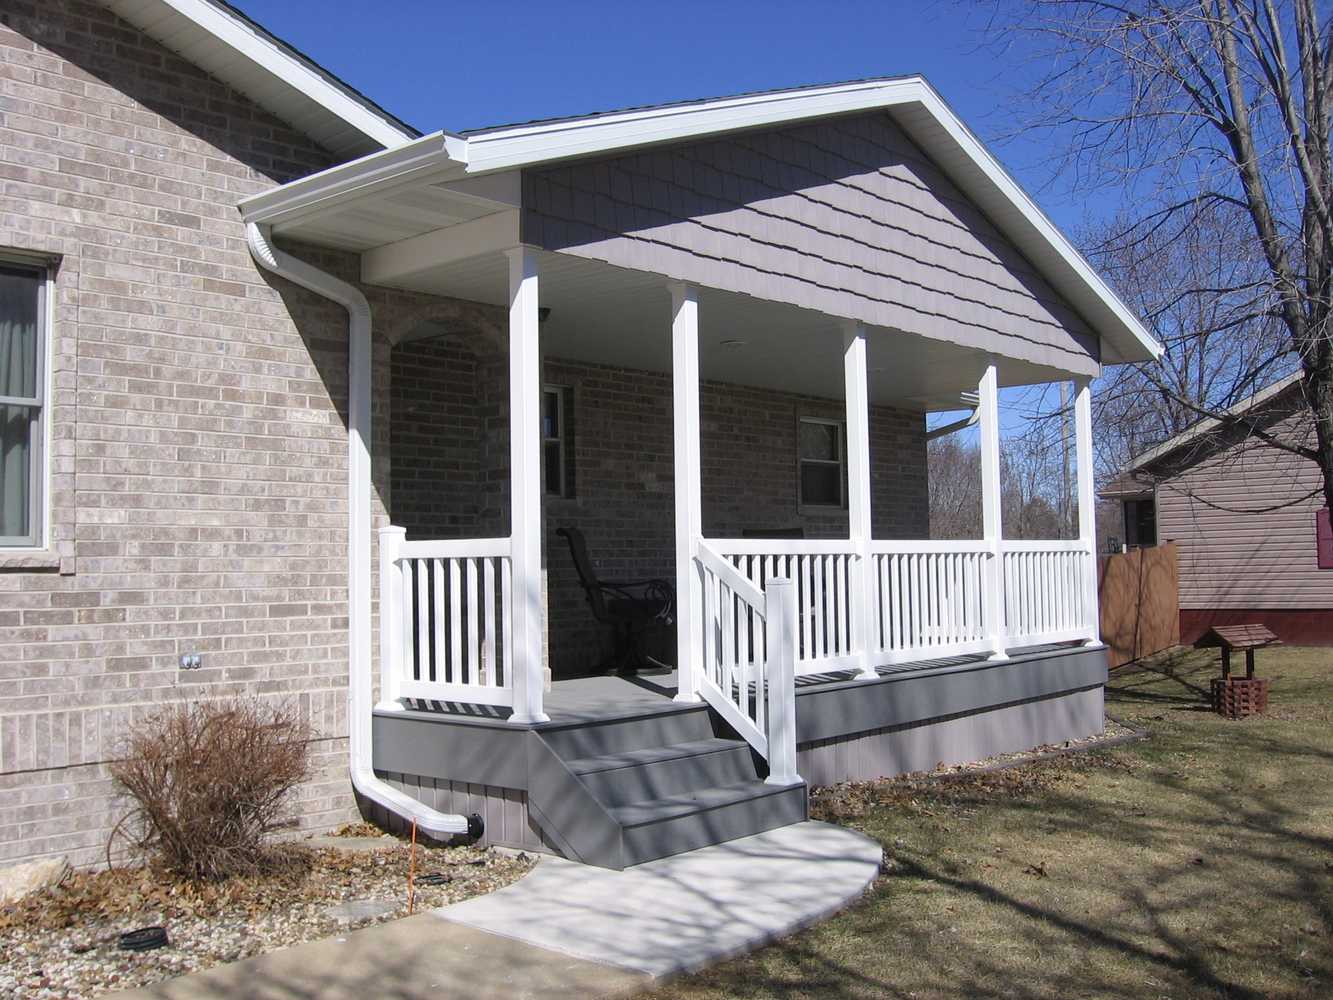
pixel 623 470
pixel 198 459
pixel 198 427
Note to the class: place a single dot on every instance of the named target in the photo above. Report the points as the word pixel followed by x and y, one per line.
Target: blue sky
pixel 458 66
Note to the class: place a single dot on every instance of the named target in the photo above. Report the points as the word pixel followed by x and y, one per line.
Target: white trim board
pixel 243 55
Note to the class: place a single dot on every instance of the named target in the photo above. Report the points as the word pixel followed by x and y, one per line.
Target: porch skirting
pixel 909 718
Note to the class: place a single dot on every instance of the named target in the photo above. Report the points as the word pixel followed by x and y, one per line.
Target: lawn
pixel 1197 863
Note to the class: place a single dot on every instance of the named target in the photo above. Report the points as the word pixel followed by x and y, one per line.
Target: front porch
pixel 771 293
pixel 611 742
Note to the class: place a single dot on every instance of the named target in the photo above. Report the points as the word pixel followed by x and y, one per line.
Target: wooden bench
pixel 1237 638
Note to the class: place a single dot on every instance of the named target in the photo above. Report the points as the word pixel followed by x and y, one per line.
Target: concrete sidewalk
pixel 567 930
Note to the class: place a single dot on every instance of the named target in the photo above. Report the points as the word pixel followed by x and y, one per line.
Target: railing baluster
pixel 438 672
pixel 489 673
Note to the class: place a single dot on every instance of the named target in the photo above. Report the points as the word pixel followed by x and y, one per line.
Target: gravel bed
pixel 62 943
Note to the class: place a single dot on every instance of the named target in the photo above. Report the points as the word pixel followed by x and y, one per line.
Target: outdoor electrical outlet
pixel 190 661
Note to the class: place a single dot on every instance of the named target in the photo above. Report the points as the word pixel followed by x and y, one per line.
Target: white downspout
pixel 436 824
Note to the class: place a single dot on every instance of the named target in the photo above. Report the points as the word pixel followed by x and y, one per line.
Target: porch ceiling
pixel 602 314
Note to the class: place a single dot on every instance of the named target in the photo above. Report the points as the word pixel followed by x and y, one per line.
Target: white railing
pixel 445 614
pixel 931 601
pixel 1044 591
pixel 748 664
pixel 823 576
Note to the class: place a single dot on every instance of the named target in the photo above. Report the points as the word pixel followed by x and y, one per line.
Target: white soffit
pixel 914 104
pixel 229 46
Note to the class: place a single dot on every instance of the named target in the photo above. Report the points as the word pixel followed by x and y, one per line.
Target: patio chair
pixel 630 607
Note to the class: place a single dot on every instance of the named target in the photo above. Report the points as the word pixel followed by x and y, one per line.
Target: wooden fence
pixel 1140 602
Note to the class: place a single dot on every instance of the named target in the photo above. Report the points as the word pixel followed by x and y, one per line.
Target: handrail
pixel 912 546
pixel 1043 545
pixel 455 548
pixel 781 546
pixel 732 577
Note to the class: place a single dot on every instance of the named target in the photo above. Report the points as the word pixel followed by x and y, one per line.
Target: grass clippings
pixel 1196 863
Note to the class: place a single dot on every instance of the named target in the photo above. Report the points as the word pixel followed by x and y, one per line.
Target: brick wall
pixel 198 421
pixel 623 471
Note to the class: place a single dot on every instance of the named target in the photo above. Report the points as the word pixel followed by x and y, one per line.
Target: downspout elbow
pixel 359 690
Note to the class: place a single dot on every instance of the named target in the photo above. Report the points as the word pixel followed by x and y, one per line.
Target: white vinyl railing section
pixel 931 601
pixel 748 663
pixel 445 614
pixel 823 576
pixel 1044 591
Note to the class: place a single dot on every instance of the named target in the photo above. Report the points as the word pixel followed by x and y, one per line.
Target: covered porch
pixel 822 267
pixel 470 621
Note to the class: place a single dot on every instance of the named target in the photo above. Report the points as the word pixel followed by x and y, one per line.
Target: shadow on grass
pixel 1201 868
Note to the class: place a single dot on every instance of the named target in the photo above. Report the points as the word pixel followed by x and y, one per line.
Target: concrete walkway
pixel 680 914
pixel 567 930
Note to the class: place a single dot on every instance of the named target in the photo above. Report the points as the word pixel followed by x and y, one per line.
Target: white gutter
pixel 968 398
pixel 436 824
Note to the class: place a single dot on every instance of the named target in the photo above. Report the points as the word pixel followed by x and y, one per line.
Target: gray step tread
pixel 653 755
pixel 689 803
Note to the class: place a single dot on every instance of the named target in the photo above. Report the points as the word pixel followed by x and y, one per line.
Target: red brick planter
pixel 1237 697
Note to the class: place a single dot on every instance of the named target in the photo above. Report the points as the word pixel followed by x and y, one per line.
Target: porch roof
pixel 449 199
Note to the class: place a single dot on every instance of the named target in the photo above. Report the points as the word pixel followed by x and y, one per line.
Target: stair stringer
pixel 567 812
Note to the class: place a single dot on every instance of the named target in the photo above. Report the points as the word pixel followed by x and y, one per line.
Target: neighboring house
pixel 1249 520
pixel 263 345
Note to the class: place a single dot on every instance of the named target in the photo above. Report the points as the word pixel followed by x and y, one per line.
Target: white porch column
pixel 689 487
pixel 857 395
pixel 1087 511
pixel 989 425
pixel 525 486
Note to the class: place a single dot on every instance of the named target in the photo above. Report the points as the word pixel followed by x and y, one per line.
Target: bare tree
pixel 1030 487
pixel 1214 117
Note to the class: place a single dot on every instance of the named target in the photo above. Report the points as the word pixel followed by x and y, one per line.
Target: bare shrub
pixel 208 782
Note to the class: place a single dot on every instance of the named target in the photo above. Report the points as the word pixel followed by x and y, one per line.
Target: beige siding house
pixel 294 402
pixel 1246 519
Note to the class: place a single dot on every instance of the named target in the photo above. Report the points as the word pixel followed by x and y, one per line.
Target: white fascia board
pixel 1210 424
pixel 525 145
pixel 439 154
pixel 262 51
pixel 1035 217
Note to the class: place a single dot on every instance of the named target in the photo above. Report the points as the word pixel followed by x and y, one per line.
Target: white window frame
pixel 841 463
pixel 561 440
pixel 39 472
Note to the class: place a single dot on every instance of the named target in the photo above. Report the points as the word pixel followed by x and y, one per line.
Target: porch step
pixel 628 790
pixel 683 724
pixel 620 779
pixel 659 828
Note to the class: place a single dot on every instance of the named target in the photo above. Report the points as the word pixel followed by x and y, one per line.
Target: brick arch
pixel 486 325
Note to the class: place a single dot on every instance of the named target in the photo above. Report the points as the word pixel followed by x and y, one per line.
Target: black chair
pixel 630 607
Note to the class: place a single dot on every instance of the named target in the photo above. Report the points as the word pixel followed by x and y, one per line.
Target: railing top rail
pixel 782 546
pixel 909 546
pixel 459 548
pixel 1043 545
pixel 728 574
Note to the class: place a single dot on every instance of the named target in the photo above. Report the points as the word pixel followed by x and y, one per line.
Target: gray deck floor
pixel 584 699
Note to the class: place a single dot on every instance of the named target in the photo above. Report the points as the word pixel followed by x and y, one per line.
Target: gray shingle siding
pixel 846 216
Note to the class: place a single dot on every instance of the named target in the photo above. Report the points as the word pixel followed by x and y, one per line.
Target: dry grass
pixel 1196 864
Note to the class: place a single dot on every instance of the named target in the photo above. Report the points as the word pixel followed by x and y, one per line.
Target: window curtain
pixel 18 377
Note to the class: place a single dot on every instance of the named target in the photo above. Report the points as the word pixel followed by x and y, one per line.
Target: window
pixel 823 462
pixel 22 403
pixel 557 441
